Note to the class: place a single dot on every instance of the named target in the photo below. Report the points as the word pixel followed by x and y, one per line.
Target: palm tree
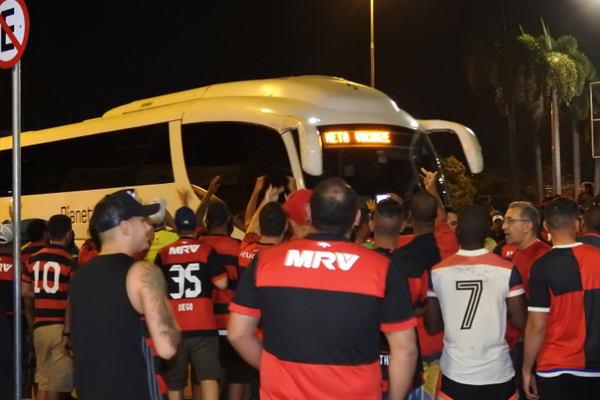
pixel 536 99
pixel 579 109
pixel 563 84
pixel 511 67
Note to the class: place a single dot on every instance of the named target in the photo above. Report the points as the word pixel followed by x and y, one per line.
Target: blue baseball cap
pixel 185 219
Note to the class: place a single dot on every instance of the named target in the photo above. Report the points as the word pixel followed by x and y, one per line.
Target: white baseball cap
pixel 6 233
pixel 159 217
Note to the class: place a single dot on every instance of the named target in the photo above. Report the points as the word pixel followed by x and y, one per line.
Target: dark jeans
pixel 460 391
pixel 568 387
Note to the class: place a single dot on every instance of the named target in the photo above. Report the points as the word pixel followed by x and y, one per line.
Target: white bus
pixel 308 127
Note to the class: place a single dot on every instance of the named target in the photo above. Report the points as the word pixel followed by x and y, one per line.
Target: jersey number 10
pixel 476 287
pixel 186 274
pixel 50 267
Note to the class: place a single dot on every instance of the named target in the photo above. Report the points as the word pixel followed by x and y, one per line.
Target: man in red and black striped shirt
pixel 386 224
pixel 192 270
pixel 218 220
pixel 46 280
pixel 434 241
pixel 323 301
pixel 37 233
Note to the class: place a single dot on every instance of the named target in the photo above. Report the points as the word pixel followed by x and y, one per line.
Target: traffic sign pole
pixel 16 181
pixel 14 32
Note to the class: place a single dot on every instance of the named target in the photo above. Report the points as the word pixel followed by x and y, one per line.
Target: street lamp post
pixel 372 45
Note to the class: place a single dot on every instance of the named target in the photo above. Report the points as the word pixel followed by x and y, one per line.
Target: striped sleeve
pixel 245 300
pixel 27 275
pixel 515 283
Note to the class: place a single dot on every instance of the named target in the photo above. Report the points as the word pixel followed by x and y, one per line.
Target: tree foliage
pixel 459 185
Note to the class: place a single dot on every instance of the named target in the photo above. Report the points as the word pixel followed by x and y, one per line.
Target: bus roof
pixel 320 100
pixel 314 95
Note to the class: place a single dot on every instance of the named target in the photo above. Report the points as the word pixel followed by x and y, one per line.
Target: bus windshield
pixel 376 160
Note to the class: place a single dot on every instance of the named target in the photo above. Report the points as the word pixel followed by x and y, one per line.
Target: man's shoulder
pixel 586 252
pixel 547 261
pixel 590 240
pixel 53 253
pixel 540 248
pixel 222 243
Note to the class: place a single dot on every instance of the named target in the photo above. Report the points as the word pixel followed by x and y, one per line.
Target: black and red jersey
pixel 430 249
pixel 7 283
pixel 30 249
pixel 523 259
pixel 87 252
pixel 49 272
pixel 228 250
pixel 417 280
pixel 591 239
pixel 565 284
pixel 250 246
pixel 323 302
pixel 505 251
pixel 190 268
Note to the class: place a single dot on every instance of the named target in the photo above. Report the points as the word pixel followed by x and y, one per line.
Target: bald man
pixel 307 292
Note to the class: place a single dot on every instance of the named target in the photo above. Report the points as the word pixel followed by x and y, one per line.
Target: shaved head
pixel 387 218
pixel 423 208
pixel 561 213
pixel 333 206
pixel 473 226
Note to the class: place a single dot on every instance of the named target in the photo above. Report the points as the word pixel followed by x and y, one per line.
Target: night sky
pixel 85 57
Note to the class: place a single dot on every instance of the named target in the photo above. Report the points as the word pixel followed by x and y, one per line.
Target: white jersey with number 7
pixel 472 288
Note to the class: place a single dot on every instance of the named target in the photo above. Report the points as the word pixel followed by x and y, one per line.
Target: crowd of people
pixel 324 298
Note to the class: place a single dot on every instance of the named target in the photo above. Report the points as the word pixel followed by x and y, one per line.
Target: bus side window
pixel 239 152
pixel 128 157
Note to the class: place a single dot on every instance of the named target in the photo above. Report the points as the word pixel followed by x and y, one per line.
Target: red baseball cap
pixel 296 206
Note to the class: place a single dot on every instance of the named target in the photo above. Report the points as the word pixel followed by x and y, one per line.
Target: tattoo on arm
pixel 153 281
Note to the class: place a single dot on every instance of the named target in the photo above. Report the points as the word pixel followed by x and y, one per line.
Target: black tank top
pixel 112 357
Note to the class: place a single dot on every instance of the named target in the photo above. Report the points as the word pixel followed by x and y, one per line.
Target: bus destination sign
pixel 363 137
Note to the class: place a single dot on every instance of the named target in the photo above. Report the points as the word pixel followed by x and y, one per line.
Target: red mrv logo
pixel 314 259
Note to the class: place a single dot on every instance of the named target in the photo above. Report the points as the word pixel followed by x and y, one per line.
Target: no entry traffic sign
pixel 14 21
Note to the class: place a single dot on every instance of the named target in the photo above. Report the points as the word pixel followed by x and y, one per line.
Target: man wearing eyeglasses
pixel 521 224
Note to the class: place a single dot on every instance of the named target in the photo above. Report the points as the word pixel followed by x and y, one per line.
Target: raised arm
pixel 212 189
pixel 272 194
pixel 251 208
pixel 147 291
pixel 430 183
